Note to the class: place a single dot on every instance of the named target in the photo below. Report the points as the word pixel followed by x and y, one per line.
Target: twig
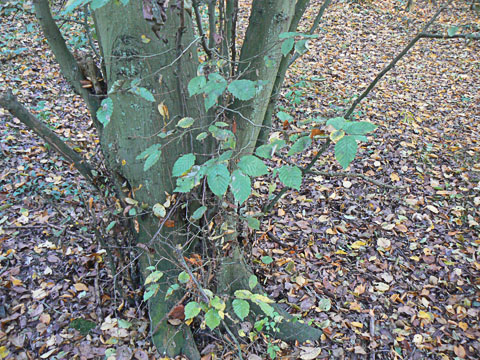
pixel 447 37
pixel 198 19
pixel 372 332
pixel 87 31
pixel 386 69
pixel 275 239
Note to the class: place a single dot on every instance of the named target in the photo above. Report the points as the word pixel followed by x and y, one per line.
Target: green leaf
pixel 359 127
pixel 104 113
pixel 243 294
pixel 143 93
pixel 345 150
pixel 241 308
pixel 253 166
pixel 185 184
pixel 287 46
pixel 241 186
pixel 149 151
pixel 152 160
pixel 225 156
pixel 196 85
pixel 452 30
pixel 159 210
pixel 110 226
pixel 267 259
pixel 218 179
pixel 264 151
pixel 212 319
pixel 201 136
pixel 290 176
pixel 300 145
pixel 215 87
pixel 337 122
pixel 253 223
pixel 325 304
pixel 242 89
pixel 183 277
pixel 124 324
pixel 186 122
pixel 183 164
pixel 83 326
pixel 360 137
pixel 266 308
pixel 197 214
pixel 150 291
pixel 252 281
pixel 153 277
pixel 96 4
pixel 301 46
pixel 171 289
pixel 218 304
pixel 73 4
pixel 283 116
pixel 192 309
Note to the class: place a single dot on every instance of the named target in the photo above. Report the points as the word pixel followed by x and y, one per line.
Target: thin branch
pixel 394 61
pixel 198 19
pixel 87 31
pixel 9 102
pixel 65 58
pixel 447 37
pixel 313 28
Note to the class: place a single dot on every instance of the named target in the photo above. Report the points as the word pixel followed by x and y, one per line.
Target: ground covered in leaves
pixel 386 271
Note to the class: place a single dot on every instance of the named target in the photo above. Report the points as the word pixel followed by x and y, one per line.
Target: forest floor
pixel 386 271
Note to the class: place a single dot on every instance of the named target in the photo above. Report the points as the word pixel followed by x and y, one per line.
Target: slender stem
pixel 198 19
pixel 394 61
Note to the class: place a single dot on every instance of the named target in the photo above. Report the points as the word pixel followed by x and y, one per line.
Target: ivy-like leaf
pixel 215 87
pixel 241 186
pixel 105 111
pixel 253 166
pixel 345 150
pixel 183 164
pixel 149 151
pixel 253 223
pixel 241 308
pixel 218 179
pixel 300 145
pixel 290 176
pixel 242 89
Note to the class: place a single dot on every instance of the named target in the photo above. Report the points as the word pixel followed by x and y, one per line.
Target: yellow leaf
pixel 425 315
pixel 394 177
pixel 3 352
pixel 356 324
pixel 340 252
pixel 145 39
pixel 337 135
pixel 163 110
pixel 463 326
pixel 358 244
pixel 15 281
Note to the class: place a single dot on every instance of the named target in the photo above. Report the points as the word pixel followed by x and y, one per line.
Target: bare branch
pixel 349 112
pixel 9 102
pixel 448 37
